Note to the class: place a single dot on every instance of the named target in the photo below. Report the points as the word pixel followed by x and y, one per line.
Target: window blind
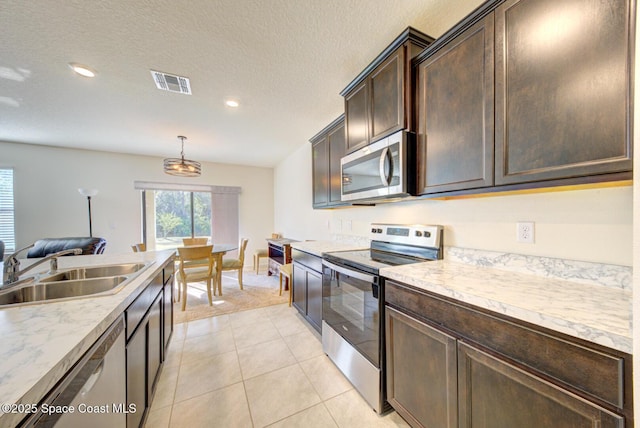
pixel 7 229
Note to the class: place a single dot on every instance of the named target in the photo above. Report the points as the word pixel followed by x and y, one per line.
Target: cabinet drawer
pixel 308 260
pixel 601 373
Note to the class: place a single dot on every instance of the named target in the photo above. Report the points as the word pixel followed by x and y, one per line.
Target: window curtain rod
pixel 149 185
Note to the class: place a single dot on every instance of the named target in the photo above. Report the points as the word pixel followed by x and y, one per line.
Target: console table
pixel 279 254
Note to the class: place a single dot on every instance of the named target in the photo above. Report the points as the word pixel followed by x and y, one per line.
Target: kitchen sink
pixel 94 272
pixel 70 284
pixel 44 291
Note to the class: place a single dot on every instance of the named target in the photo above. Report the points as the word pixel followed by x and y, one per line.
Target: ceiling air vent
pixel 171 83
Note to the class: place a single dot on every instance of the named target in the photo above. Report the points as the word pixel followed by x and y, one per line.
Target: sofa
pixel 46 246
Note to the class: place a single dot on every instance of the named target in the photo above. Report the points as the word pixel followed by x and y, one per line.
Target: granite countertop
pixel 280 241
pixel 596 313
pixel 41 342
pixel 318 248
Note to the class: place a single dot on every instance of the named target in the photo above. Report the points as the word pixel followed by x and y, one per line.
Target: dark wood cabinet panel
pixel 314 298
pixel 299 288
pixel 494 393
pixel 387 108
pixel 357 117
pixel 154 343
pixel 455 113
pixel 379 101
pixel 337 149
pixel 421 372
pixel 328 148
pixel 307 287
pixel 562 89
pixel 320 170
pixel 592 381
pixel 149 327
pixel 137 376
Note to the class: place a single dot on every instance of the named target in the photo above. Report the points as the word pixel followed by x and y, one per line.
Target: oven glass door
pixel 351 306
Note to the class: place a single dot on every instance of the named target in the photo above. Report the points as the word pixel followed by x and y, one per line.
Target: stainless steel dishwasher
pixel 93 393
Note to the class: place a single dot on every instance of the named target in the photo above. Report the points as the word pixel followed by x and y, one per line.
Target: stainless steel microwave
pixel 381 170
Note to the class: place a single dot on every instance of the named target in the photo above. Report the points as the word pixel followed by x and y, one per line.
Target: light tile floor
pixel 257 368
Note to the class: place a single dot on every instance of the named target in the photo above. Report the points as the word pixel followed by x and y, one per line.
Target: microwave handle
pixel 385 158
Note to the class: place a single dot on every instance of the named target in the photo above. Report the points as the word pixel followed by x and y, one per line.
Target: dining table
pixel 218 251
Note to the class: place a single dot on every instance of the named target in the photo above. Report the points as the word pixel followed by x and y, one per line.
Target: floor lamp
pixel 88 193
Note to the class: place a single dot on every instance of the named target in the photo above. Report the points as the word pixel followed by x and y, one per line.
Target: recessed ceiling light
pixel 232 103
pixel 82 70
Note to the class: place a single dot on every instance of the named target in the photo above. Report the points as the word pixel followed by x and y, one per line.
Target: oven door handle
pixel 349 272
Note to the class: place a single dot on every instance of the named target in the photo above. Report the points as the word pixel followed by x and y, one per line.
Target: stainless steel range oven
pixel 353 302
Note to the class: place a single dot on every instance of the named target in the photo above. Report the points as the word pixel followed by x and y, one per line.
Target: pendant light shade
pixel 180 166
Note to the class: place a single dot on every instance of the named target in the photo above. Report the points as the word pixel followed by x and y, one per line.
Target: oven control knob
pixel 379 230
pixel 418 233
pixel 373 230
pixel 427 234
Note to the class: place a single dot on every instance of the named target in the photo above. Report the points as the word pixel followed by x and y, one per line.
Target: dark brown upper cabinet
pixel 455 113
pixel 526 94
pixel 380 100
pixel 563 89
pixel 328 147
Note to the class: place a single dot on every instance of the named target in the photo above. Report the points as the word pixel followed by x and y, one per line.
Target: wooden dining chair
pixel 192 269
pixel 236 264
pixel 139 248
pixel 286 271
pixel 194 241
pixel 260 253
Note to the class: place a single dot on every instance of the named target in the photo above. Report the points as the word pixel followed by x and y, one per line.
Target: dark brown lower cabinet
pixel 307 287
pixel 137 376
pixel 417 352
pixel 449 364
pixel 493 393
pixel 149 326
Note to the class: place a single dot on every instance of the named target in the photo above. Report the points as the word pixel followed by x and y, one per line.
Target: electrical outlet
pixel 525 232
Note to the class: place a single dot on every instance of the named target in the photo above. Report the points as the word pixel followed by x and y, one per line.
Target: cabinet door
pixel 494 393
pixel 154 355
pixel 300 288
pixel 167 315
pixel 421 372
pixel 357 117
pixel 455 113
pixel 337 149
pixel 137 375
pixel 314 298
pixel 562 89
pixel 386 98
pixel 320 165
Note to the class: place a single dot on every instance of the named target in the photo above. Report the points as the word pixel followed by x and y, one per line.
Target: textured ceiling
pixel 285 61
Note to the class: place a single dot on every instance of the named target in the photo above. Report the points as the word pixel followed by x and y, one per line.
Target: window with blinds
pixel 7 229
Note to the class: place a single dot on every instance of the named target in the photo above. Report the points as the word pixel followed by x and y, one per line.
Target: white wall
pixel 48 204
pixel 590 225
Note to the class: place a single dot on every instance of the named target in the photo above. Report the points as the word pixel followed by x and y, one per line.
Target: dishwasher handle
pixel 95 376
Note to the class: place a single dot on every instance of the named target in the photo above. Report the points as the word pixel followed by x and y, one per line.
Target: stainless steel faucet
pixel 11 271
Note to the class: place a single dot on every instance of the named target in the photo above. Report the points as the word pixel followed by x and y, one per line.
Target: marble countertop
pixel 596 313
pixel 41 342
pixel 317 248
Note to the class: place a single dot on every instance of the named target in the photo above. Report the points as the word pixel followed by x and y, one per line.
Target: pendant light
pixel 180 166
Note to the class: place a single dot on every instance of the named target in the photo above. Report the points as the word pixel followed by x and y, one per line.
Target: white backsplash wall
pixel 593 225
